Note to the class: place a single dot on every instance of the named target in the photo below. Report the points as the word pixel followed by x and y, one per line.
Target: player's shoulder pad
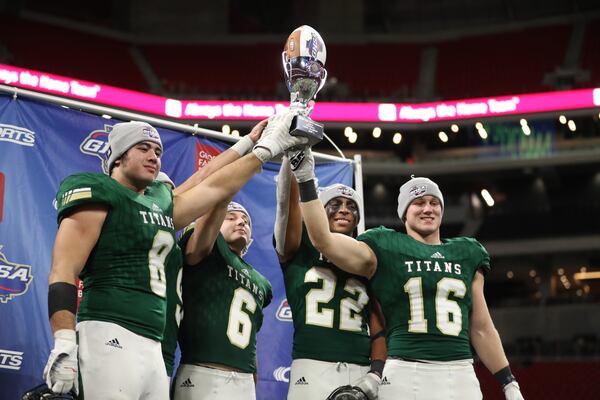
pixel 85 188
pixel 378 231
pixel 471 242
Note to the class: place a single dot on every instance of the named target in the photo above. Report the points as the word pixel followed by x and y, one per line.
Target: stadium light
pixel 582 276
pixel 454 128
pixel 106 116
pixel 397 138
pixel 226 129
pixel 348 131
pixel 376 132
pixel 487 197
pixel 571 125
pixel 562 119
pixel 526 130
pixel 352 138
pixel 483 133
pixel 532 273
pixel 235 133
pixel 443 136
pixel 478 126
pixel 523 122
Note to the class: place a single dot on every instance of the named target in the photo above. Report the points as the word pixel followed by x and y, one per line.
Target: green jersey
pixel 425 293
pixel 329 308
pixel 223 300
pixel 124 275
pixel 174 272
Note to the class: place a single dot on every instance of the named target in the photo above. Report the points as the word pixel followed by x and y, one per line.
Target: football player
pixel 330 307
pixel 116 232
pixel 430 290
pixel 174 264
pixel 224 298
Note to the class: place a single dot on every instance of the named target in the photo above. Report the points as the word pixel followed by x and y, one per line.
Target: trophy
pixel 304 65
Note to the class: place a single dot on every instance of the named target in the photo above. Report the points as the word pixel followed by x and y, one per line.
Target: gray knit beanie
pixel 415 188
pixel 125 135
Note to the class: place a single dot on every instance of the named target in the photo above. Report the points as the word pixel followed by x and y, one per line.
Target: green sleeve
pixel 83 189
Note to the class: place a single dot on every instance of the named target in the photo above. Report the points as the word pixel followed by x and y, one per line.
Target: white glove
pixel 302 163
pixel 512 391
pixel 60 372
pixel 369 384
pixel 276 138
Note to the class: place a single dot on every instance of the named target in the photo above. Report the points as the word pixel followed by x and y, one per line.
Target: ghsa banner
pixel 41 144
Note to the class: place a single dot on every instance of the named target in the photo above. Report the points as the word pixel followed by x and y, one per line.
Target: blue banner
pixel 40 145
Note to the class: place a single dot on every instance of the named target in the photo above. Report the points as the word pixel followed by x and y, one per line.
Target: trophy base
pixel 306 127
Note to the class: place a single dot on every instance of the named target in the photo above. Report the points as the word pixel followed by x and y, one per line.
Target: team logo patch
pixel 282 374
pixel 417 191
pixel 345 191
pixel 284 311
pixel 14 278
pixel 17 135
pixel 151 133
pixel 96 144
pixel 10 359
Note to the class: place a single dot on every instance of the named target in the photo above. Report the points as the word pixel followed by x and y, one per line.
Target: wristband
pixel 308 191
pixel 243 146
pixel 505 376
pixel 378 335
pixel 62 296
pixel 377 367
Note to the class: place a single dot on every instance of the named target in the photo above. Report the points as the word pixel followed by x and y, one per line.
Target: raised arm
pixel 486 341
pixel 206 229
pixel 344 251
pixel 288 220
pixel 239 149
pixel 228 180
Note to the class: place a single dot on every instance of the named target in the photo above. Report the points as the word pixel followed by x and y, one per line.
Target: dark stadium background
pixel 545 224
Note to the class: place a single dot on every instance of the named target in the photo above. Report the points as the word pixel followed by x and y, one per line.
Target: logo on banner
pixel 282 374
pixel 96 144
pixel 204 154
pixel 17 135
pixel 10 359
pixel 14 278
pixel 284 312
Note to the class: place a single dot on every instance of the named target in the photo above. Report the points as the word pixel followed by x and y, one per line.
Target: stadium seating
pixel 590 54
pixel 501 63
pixel 69 53
pixel 547 380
